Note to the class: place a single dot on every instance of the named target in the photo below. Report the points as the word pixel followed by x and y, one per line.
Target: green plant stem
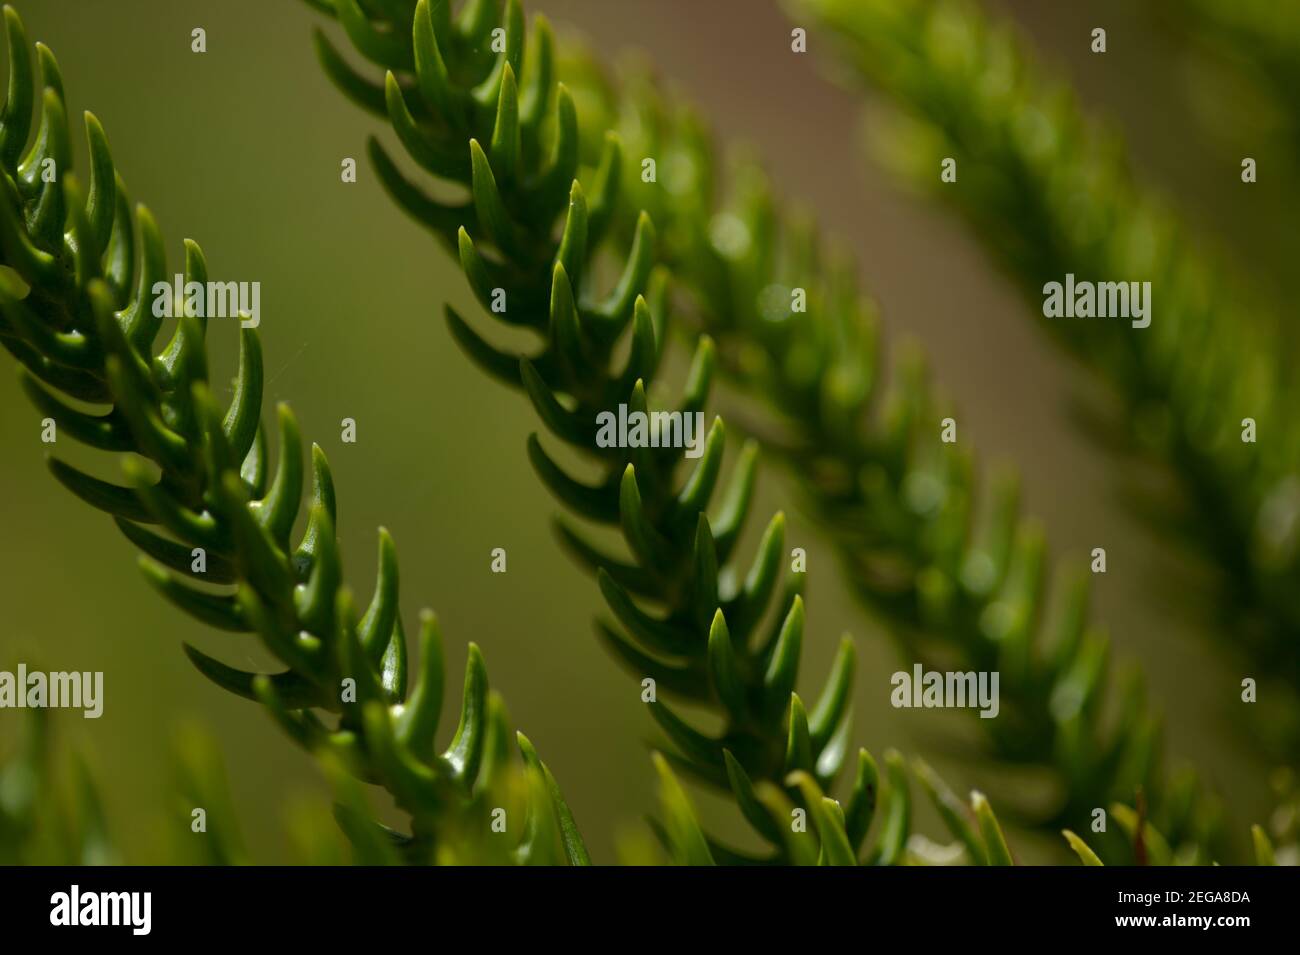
pixel 532 239
pixel 926 541
pixel 215 520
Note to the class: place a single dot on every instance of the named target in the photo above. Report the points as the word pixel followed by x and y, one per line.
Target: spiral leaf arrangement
pixel 77 313
pixel 954 568
pixel 474 102
pixel 1213 355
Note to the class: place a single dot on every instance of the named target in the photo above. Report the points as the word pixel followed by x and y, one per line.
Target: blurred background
pixel 240 148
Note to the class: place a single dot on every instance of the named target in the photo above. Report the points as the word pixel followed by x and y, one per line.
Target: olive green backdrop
pixel 240 149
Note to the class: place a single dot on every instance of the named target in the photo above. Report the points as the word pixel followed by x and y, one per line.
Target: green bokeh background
pixel 240 149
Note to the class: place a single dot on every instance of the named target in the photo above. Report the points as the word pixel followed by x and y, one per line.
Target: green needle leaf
pixel 466 750
pixel 686 842
pixel 1086 855
pixel 994 843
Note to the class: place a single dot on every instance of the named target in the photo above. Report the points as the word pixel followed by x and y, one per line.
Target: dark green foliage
pixel 1056 196
pixel 77 312
pixel 553 212
pixel 536 225
pixel 945 558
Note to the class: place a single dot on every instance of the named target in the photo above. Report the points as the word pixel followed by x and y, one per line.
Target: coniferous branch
pixel 1058 198
pixel 472 108
pixel 205 504
pixel 959 575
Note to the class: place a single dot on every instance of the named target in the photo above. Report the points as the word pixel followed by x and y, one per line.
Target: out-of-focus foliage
pixel 1049 193
pixel 1245 69
pixel 1279 840
pixel 213 837
pixel 1278 843
pixel 50 810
